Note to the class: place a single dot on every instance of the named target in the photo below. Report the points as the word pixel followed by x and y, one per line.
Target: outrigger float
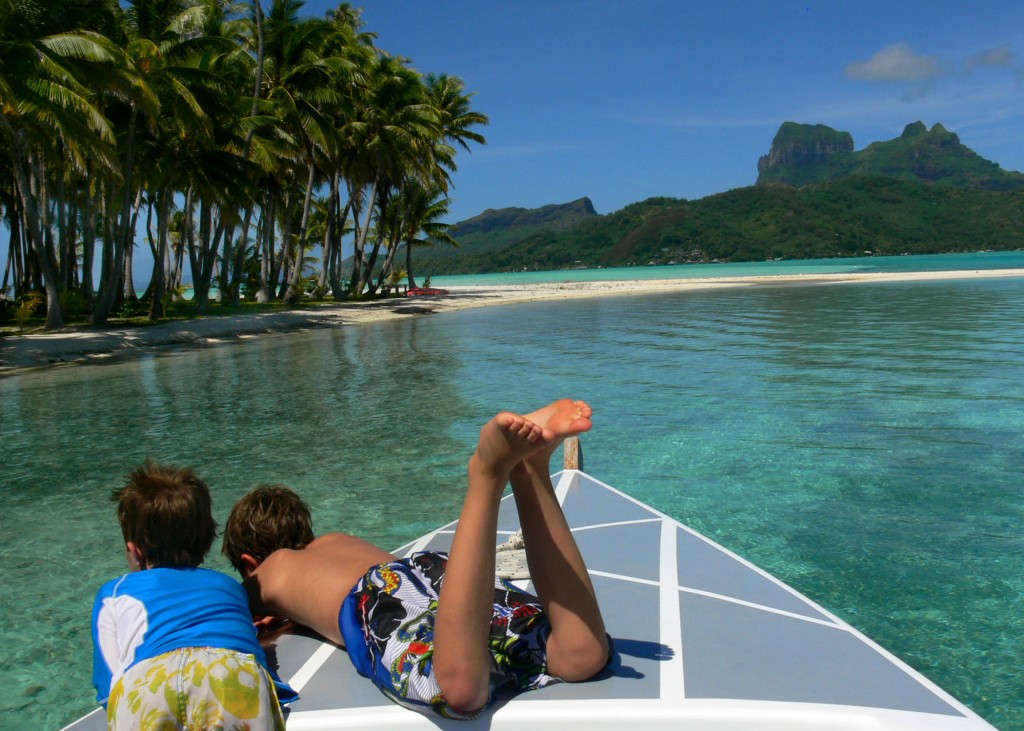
pixel 705 640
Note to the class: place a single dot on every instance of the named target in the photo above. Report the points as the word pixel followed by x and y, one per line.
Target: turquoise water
pixel 864 264
pixel 864 442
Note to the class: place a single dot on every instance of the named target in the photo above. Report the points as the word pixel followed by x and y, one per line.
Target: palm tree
pixel 393 131
pixel 49 122
pixel 168 53
pixel 298 86
pixel 341 161
pixel 448 96
pixel 424 210
pixel 217 172
pixel 244 122
pixel 451 105
pixel 415 209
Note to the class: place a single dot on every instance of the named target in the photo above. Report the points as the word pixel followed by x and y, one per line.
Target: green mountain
pixel 494 230
pixel 556 216
pixel 815 197
pixel 802 154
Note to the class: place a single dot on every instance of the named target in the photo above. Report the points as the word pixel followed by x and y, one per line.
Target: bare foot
pixel 563 419
pixel 505 440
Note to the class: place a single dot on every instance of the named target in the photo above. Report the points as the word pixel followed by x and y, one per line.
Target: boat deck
pixel 704 640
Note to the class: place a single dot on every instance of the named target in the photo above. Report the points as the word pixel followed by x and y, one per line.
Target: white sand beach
pixel 82 344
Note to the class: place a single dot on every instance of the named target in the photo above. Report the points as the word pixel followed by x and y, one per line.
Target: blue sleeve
pixel 101 672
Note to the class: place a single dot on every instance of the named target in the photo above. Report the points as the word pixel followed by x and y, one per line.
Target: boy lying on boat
pixel 173 644
pixel 438 632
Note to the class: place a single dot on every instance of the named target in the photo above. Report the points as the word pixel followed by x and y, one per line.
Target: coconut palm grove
pixel 238 138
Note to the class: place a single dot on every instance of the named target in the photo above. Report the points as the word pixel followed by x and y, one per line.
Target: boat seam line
pixel 673 673
pixel 719 597
pixel 304 674
pixel 761 607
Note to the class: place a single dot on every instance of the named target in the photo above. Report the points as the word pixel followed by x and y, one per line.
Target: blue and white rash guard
pixel 148 613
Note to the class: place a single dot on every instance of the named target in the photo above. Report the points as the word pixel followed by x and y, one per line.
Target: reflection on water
pixel 863 442
pixel 345 417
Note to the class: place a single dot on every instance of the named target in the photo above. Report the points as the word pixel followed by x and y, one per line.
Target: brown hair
pixel 166 512
pixel 268 518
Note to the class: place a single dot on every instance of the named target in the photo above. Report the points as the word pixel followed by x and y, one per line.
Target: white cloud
pixel 898 63
pixel 998 57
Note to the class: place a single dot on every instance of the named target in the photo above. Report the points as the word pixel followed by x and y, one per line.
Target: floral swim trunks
pixel 387 622
pixel 193 688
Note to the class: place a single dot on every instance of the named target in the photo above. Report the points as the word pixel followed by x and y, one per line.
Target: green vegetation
pixel 494 230
pixel 803 154
pixel 237 138
pixel 847 217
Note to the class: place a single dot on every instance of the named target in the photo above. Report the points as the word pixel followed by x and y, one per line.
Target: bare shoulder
pixel 309 585
pixel 330 555
pixel 347 547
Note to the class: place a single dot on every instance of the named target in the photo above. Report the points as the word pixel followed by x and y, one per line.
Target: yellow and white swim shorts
pixel 196 688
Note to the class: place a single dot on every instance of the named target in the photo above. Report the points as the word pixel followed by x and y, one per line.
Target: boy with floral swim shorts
pixel 174 645
pixel 438 632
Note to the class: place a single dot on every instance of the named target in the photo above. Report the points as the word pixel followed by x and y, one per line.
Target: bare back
pixel 309 585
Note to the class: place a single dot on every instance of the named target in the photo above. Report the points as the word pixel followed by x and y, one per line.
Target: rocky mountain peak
pixel 803 154
pixel 804 145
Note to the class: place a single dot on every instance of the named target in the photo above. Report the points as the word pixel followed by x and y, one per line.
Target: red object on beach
pixel 420 291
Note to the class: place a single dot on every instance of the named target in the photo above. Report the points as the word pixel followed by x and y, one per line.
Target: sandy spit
pixel 84 344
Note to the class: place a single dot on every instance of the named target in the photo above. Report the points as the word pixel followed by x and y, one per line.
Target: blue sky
pixel 620 101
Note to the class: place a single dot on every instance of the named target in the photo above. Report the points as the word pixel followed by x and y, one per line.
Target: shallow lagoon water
pixel 808 267
pixel 864 442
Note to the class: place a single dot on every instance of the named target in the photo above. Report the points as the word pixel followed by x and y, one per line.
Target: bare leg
pixel 462 627
pixel 577 647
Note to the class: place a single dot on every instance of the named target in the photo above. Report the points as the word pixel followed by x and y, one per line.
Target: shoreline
pixel 19 353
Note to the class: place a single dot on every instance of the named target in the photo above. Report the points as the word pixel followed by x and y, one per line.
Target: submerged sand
pixel 81 344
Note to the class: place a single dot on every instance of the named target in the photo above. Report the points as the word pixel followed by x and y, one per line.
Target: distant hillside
pixel 923 192
pixel 803 154
pixel 494 230
pixel 861 214
pixel 556 216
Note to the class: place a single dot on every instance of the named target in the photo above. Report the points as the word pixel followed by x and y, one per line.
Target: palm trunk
pixel 13 255
pixel 266 237
pixel 367 274
pixel 408 264
pixel 358 260
pixel 158 283
pixel 34 215
pixel 337 290
pixel 389 264
pixel 88 244
pixel 233 294
pixel 333 201
pixel 128 277
pixel 204 257
pixel 47 253
pixel 118 238
pixel 282 275
pixel 295 283
pixel 370 264
pixel 112 259
pixel 15 262
pixel 67 262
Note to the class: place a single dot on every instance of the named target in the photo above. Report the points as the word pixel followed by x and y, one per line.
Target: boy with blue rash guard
pixel 174 645
pixel 438 633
